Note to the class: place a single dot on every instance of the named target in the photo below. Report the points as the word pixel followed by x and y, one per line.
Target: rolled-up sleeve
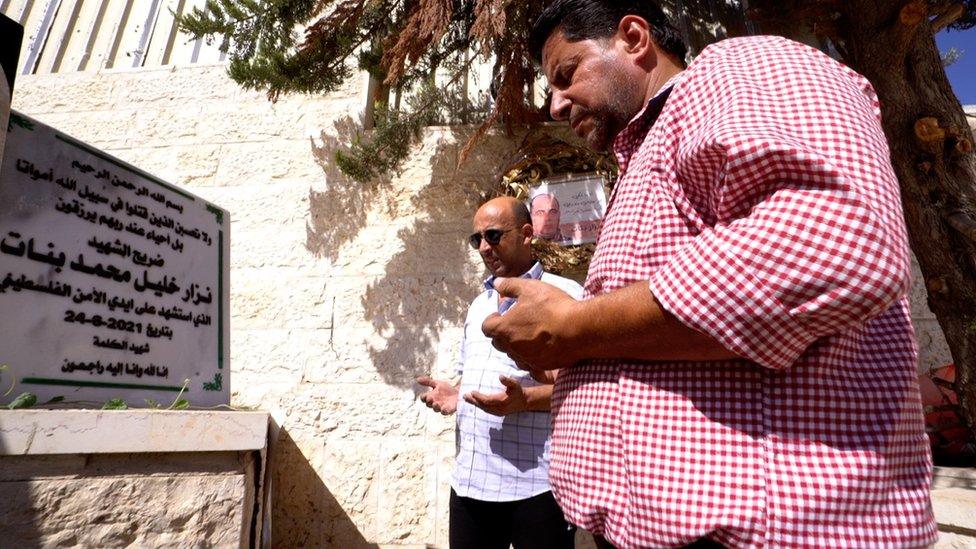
pixel 797 252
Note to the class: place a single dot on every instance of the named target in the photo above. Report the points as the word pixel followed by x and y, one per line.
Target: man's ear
pixel 527 231
pixel 634 36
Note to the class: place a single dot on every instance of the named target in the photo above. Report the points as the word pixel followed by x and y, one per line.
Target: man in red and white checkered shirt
pixel 743 370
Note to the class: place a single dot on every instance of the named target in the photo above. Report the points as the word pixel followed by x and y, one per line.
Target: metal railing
pixel 92 35
pixel 63 36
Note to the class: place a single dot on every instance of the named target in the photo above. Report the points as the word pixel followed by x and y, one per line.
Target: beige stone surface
pixel 341 292
pixel 954 503
pixel 933 351
pixel 126 500
pixel 38 432
pixel 955 508
pixel 948 540
pixel 123 512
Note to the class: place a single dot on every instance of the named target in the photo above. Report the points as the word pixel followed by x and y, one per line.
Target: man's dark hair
pixel 595 19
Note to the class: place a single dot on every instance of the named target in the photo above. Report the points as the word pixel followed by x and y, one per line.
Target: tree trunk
pixel 931 150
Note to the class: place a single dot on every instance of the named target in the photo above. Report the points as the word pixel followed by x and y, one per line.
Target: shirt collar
pixel 535 272
pixel 624 145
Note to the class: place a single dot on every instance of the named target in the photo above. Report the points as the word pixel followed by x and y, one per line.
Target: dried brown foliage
pixel 426 23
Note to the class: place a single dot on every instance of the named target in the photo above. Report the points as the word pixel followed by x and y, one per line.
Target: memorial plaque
pixel 113 284
pixel 11 36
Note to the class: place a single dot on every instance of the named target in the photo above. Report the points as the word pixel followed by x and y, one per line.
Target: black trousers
pixel 534 523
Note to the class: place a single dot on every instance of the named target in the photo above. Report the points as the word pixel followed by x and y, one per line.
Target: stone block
pixel 949 540
pixel 324 495
pixel 268 161
pixel 281 299
pixel 101 129
pixel 408 248
pixel 268 352
pixel 955 509
pixel 65 92
pixel 129 511
pixel 402 351
pixel 159 162
pixel 442 488
pixel 185 166
pixel 406 510
pixel 260 390
pixel 235 122
pixel 258 205
pixel 954 477
pixel 330 358
pixel 343 413
pixel 933 351
pixel 283 246
pixel 170 86
pixel 41 432
pixel 171 126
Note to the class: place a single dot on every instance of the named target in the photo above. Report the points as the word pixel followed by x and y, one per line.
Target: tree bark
pixel 931 150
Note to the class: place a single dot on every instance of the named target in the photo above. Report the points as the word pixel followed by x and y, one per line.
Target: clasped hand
pixel 537 332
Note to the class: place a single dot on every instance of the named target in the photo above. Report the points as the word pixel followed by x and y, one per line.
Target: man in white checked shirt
pixel 742 370
pixel 500 487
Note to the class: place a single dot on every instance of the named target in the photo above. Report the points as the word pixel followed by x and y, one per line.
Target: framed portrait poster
pixel 568 210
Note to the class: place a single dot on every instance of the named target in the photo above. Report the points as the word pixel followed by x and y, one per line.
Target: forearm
pixel 630 324
pixel 538 398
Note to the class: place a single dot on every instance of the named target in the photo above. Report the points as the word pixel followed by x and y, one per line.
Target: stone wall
pixel 122 500
pixel 137 478
pixel 341 292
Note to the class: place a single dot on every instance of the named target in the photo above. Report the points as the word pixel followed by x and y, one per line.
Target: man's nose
pixel 559 106
pixel 484 246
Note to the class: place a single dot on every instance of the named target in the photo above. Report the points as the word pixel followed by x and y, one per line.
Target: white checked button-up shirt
pixel 762 207
pixel 499 458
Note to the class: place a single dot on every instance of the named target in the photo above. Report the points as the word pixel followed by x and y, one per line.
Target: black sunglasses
pixel 491 236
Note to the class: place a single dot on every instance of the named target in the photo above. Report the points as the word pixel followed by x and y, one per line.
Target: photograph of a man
pixel 500 492
pixel 545 217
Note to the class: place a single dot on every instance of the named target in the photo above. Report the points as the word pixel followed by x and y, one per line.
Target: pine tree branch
pixel 430 103
pixel 949 16
pixel 963 223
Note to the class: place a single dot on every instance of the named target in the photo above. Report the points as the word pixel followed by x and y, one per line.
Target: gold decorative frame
pixel 541 156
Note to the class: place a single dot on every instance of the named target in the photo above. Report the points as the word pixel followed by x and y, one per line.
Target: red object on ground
pixel 950 439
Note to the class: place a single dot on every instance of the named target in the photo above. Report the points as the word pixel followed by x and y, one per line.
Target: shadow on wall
pixel 305 513
pixel 20 522
pixel 340 212
pixel 428 284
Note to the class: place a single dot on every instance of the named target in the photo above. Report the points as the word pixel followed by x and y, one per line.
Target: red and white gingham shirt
pixel 762 207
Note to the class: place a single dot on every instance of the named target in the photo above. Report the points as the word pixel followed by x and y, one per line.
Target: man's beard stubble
pixel 611 118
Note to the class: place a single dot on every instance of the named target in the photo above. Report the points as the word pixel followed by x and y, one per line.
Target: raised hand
pixel 442 396
pixel 512 399
pixel 533 332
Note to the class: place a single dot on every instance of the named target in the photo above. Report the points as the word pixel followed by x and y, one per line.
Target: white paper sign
pixel 569 209
pixel 113 284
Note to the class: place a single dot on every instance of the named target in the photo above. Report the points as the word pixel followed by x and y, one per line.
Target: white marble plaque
pixel 113 284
